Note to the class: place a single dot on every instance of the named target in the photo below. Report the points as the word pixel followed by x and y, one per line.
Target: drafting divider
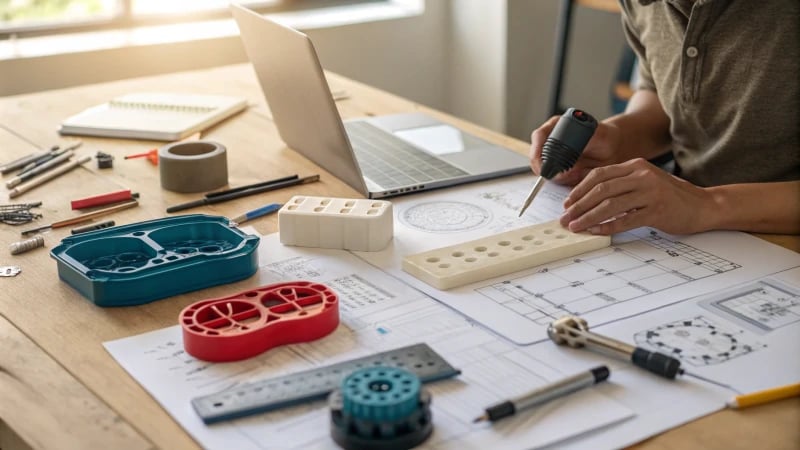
pixel 499 254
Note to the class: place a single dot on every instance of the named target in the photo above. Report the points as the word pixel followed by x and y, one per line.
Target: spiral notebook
pixel 155 116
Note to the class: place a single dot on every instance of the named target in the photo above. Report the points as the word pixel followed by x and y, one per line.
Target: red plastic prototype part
pixel 254 321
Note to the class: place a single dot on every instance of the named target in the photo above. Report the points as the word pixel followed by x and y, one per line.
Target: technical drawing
pixel 648 264
pixel 445 217
pixel 762 306
pixel 696 341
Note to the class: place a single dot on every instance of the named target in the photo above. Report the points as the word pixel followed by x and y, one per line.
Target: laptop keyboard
pixel 392 162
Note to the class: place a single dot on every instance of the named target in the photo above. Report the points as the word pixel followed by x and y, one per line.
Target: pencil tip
pixel 480 419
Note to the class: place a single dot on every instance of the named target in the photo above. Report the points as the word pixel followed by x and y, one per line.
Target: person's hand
pixel 600 151
pixel 632 194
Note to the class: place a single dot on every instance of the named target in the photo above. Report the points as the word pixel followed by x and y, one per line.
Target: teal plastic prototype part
pixel 146 261
pixel 380 408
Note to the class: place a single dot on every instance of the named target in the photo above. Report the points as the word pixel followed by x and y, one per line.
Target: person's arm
pixel 635 193
pixel 643 128
pixel 756 207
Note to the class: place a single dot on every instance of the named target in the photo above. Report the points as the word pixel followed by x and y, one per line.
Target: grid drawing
pixel 765 305
pixel 652 263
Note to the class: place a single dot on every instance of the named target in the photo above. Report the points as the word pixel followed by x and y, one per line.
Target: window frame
pixel 126 18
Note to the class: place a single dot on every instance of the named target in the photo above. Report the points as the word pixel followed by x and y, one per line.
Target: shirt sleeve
pixel 645 78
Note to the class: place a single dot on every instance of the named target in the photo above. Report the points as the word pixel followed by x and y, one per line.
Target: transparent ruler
pixel 274 393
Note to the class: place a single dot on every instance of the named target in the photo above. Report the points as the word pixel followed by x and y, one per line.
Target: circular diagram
pixel 445 217
pixel 696 341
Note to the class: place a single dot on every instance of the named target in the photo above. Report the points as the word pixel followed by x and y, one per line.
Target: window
pixel 20 18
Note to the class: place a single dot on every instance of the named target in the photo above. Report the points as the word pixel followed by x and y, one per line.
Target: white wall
pixel 488 61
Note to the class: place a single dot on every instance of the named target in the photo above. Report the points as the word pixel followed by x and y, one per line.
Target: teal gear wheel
pixel 380 408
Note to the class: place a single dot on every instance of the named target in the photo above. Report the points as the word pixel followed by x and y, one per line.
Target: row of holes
pixel 348 206
pixel 482 249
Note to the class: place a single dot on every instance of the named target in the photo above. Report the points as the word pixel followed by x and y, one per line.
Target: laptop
pixel 379 156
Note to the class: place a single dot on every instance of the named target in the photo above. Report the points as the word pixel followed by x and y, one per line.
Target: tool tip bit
pixel 482 418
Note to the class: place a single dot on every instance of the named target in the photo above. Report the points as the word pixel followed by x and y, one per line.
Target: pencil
pixel 25 187
pixel 765 396
pixel 225 197
pixel 84 217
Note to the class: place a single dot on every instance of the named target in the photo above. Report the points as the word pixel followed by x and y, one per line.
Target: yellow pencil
pixel 765 396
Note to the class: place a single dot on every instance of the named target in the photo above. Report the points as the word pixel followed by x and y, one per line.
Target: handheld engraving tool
pixel 563 148
pixel 574 332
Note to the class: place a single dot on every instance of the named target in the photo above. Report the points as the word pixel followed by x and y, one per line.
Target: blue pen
pixel 263 211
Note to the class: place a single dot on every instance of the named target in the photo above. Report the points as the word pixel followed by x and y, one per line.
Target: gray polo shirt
pixel 727 75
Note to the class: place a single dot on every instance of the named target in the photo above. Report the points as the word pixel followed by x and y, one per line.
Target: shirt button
pixel 692 52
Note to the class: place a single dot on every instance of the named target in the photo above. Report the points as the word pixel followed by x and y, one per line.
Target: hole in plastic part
pixel 345 211
pixel 458 254
pixel 493 254
pixel 325 201
pixel 432 260
pixel 171 258
pixel 527 237
pixel 138 233
pixel 157 261
pixel 299 200
pixel 518 247
pixel 349 203
pixel 444 266
pixel 504 243
pixel 548 231
pixel 210 249
pixel 538 242
pixel 319 209
pixel 125 269
pixel 251 294
pixel 292 207
pixel 480 249
pixel 372 212
pixel 377 205
pixel 470 259
pixel 561 236
pixel 185 250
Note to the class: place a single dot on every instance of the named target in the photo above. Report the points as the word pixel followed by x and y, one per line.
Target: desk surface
pixel 61 389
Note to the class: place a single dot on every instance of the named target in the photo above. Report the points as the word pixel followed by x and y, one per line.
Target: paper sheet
pixel 746 336
pixel 642 270
pixel 726 302
pixel 377 313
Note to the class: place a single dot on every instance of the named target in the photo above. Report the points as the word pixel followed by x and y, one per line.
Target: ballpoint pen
pixel 545 394
pixel 22 188
pixel 263 211
pixel 40 169
pixel 54 152
pixel 25 160
pixel 232 196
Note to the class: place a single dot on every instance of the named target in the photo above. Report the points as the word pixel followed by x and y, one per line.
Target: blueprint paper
pixel 377 313
pixel 643 269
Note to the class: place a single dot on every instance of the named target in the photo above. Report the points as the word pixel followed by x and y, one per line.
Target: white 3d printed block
pixel 500 254
pixel 325 222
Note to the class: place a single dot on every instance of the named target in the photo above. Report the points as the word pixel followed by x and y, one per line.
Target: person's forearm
pixel 643 128
pixel 755 207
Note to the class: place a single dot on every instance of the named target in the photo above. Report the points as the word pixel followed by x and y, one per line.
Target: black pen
pixel 251 186
pixel 232 196
pixel 545 394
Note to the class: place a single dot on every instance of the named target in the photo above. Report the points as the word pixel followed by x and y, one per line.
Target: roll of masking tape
pixel 193 166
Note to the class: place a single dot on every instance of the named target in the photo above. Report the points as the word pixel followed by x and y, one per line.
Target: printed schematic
pixel 762 306
pixel 652 263
pixel 697 341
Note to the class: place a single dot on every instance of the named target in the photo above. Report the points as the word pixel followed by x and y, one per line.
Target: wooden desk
pixel 60 389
